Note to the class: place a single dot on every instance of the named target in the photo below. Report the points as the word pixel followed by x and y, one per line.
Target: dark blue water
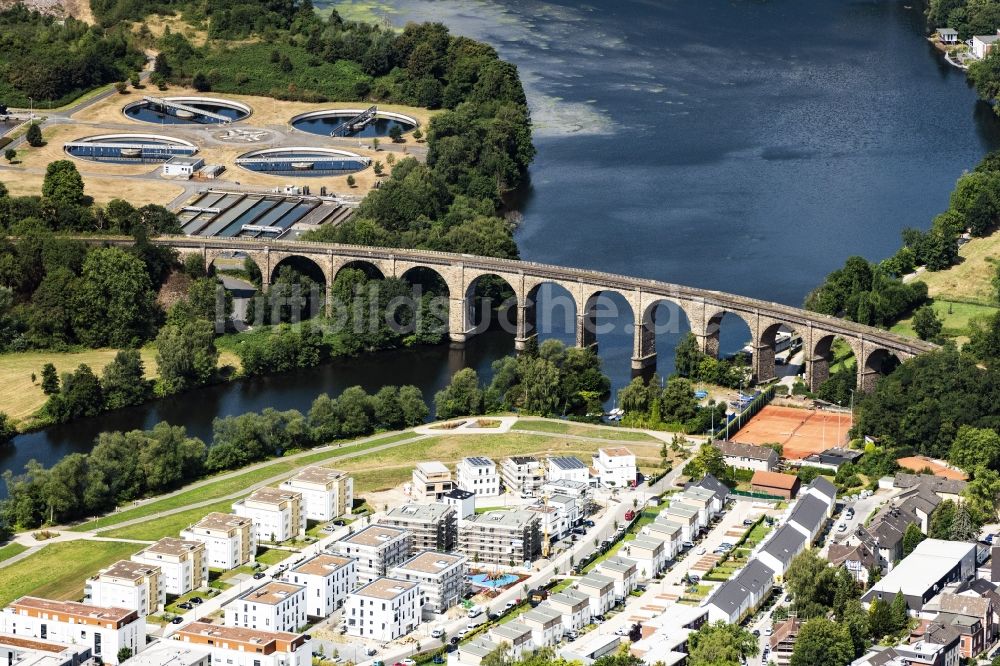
pixel 736 145
pixel 151 114
pixel 326 124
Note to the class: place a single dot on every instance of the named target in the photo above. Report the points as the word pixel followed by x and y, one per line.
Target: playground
pixel 801 432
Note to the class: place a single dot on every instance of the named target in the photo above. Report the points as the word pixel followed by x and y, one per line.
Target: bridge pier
pixel 643 347
pixel 458 320
pixel 763 362
pixel 586 330
pixel 526 326
pixel 817 372
pixel 708 343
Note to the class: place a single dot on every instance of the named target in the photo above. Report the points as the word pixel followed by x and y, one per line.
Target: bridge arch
pixel 488 299
pixel 822 356
pixel 596 305
pixel 878 362
pixel 661 316
pixel 371 269
pixel 773 338
pixel 428 278
pixel 548 310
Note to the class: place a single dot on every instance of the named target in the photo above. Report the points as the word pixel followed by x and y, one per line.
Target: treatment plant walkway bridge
pixel 704 308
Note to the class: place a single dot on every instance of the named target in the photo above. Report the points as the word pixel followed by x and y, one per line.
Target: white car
pixel 842 527
pixel 621 632
pixel 767 631
pixel 437 633
pixel 408 662
pixel 700 551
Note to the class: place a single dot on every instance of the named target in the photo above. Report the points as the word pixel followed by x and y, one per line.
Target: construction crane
pixel 546 543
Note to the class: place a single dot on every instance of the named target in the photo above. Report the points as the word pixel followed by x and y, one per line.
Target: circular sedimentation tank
pixel 191 110
pixel 302 161
pixel 335 122
pixel 129 148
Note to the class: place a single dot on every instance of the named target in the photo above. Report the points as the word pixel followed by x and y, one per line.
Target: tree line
pixel 547 380
pixel 124 466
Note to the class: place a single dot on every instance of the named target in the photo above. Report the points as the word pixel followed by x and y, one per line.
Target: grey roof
pixel 823 485
pixel 936 483
pixel 542 613
pixel 643 542
pixel 681 509
pixel 478 461
pixel 786 543
pixel 667 527
pixel 709 482
pixel 510 630
pixel 986 39
pixel 183 159
pixel 751 451
pixel 567 462
pixel 947 31
pixel 838 554
pixel 595 580
pixel 752 580
pixel 619 564
pixel 836 457
pixel 809 512
pixel 479 647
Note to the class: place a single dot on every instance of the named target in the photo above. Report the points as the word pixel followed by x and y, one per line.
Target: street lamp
pixel 31 108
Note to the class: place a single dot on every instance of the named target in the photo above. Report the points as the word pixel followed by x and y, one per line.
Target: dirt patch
pixel 174 289
pixel 919 463
pixel 801 432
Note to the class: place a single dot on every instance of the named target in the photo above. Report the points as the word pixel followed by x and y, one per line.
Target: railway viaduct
pixel 704 308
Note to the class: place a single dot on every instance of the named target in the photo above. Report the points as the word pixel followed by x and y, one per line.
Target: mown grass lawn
pixel 157 528
pixel 59 570
pixel 10 550
pixel 604 432
pixel 955 317
pixel 271 556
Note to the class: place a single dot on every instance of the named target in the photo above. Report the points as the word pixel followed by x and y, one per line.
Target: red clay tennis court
pixel 800 432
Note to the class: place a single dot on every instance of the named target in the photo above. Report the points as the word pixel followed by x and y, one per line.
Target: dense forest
pixel 968 17
pixel 53 61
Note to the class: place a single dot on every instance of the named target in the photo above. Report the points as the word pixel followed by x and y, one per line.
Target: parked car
pixel 842 527
pixel 409 662
pixel 259 575
pixel 621 631
pixel 687 544
pixel 510 604
pixel 589 523
pixel 378 663
pixel 437 633
pixel 475 611
pixel 700 551
pixel 177 620
pixel 767 631
pixel 185 605
pixel 196 600
pixel 438 659
pixel 461 634
pixel 370 652
pixel 748 522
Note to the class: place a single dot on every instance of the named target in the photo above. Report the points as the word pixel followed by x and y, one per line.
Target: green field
pixel 956 318
pixel 271 556
pixel 562 428
pixel 58 571
pixel 10 550
pixel 156 529
pixel 234 484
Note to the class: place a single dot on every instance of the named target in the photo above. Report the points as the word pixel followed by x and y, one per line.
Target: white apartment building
pixel 326 493
pixel 36 652
pixel 182 563
pixel 570 507
pixel 545 623
pixel 273 606
pixel 684 515
pixel 568 468
pixel 383 610
pixel 574 607
pixel 463 501
pixel 104 630
pixel 600 590
pixel 126 584
pixel 172 653
pixel 647 555
pixel 277 514
pixel 237 646
pixel 230 540
pixel 376 548
pixel 431 481
pixel 440 576
pixel 615 467
pixel 666 531
pixel 523 475
pixel 623 572
pixel 328 580
pixel 578 490
pixel 479 476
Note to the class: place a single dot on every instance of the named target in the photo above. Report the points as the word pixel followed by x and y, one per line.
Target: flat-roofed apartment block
pixel 104 630
pixel 522 474
pixel 126 584
pixel 441 577
pixel 182 563
pixel 230 540
pixel 432 526
pixel 328 580
pixel 238 646
pixel 568 468
pixel 326 493
pixel 377 548
pixel 600 590
pixel 383 610
pixel 647 553
pixel 277 514
pixel 273 606
pixel 515 634
pixel 579 490
pixel 172 653
pixel 431 481
pixel 463 501
pixel 545 623
pixel 623 572
pixel 501 537
pixel 574 606
pixel 615 467
pixel 479 476
pixel 37 652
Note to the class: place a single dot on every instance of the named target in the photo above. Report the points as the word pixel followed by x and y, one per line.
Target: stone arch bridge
pixel 704 308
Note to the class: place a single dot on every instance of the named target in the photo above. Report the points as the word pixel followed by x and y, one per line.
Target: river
pixel 737 145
